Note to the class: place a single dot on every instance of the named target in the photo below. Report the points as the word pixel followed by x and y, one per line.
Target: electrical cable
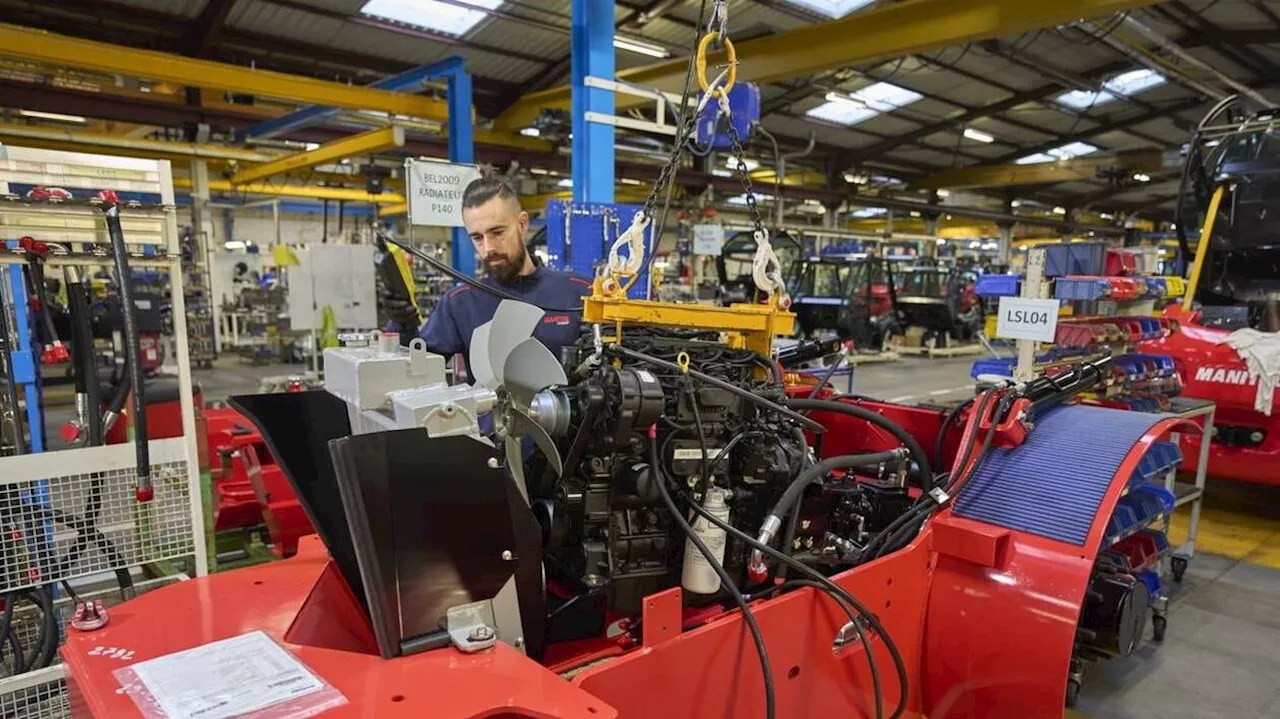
pixel 917 452
pixel 748 617
pixel 728 387
pixel 831 588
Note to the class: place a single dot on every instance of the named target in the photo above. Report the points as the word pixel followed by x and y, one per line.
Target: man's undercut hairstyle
pixel 482 190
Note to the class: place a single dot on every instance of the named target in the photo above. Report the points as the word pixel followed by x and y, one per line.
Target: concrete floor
pixel 1221 656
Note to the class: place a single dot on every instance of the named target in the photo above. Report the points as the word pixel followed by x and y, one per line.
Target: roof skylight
pixel 852 108
pixel 1065 152
pixel 832 8
pixel 1123 85
pixel 430 14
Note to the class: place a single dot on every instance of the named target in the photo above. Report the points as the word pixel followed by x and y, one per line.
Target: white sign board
pixel 1026 319
pixel 435 191
pixel 708 239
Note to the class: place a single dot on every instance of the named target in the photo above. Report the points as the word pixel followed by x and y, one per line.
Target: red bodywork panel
pixel 984 619
pixel 249 487
pixel 1213 371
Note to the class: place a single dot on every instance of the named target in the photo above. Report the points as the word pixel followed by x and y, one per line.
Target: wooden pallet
pixel 873 358
pixel 964 350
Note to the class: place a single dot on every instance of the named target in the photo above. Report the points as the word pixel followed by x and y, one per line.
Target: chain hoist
pixel 766 269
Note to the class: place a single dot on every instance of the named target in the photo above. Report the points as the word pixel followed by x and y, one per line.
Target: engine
pixel 624 425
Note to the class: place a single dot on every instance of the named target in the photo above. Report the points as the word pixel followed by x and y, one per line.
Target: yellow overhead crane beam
pixel 64 51
pixel 889 31
pixel 1077 169
pixel 54 139
pixel 303 191
pixel 364 143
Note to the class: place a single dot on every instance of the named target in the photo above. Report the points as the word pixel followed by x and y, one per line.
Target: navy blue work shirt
pixel 464 308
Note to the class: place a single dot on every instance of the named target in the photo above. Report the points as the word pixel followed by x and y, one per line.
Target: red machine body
pixel 984 617
pixel 249 488
pixel 1214 371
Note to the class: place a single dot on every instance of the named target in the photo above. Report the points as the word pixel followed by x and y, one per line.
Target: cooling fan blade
pixel 520 424
pixel 481 371
pixel 529 369
pixel 513 323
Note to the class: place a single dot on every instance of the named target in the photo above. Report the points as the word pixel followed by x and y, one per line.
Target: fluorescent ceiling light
pixel 539 170
pixel 640 46
pixel 943 193
pixel 566 182
pixel 629 181
pixel 721 173
pixel 737 200
pixel 430 14
pixel 1106 215
pixel 1142 177
pixel 832 8
pixel 978 135
pixel 869 212
pixel 1016 203
pixel 941 240
pixel 1122 85
pixel 1059 210
pixel 530 132
pixel 37 115
pixel 915 214
pixel 313 146
pixel 1065 152
pixel 863 104
pixel 854 179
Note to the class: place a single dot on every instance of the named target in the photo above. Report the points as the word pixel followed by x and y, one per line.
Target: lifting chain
pixel 766 269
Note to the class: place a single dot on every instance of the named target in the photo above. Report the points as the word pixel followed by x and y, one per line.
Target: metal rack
pixel 53 486
pixel 1190 493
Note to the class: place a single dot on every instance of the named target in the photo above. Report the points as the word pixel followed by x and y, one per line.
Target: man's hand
pixel 401 311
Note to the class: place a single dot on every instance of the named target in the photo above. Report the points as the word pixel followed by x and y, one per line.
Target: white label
pixel 1026 319
pixel 435 192
pixel 226 678
pixel 694 453
pixel 708 239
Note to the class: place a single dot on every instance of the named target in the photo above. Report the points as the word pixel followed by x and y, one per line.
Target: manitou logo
pixel 1222 375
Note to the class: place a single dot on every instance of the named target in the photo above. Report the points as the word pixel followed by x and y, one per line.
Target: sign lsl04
pixel 1027 319
pixel 435 191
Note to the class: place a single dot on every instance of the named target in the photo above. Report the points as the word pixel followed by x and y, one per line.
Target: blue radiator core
pixel 1053 483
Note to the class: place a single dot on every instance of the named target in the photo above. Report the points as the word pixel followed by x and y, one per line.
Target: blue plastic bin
pixel 1075 258
pixel 998 285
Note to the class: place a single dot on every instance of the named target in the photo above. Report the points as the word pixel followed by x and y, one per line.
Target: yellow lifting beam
pixel 1202 249
pixel 365 143
pixel 64 51
pixel 303 191
pixel 889 31
pixel 1077 169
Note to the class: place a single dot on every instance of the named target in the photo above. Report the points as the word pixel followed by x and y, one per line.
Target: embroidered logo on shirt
pixel 561 320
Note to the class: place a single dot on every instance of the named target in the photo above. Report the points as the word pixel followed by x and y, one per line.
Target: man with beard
pixel 498 226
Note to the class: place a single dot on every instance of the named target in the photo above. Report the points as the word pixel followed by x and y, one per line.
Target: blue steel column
pixel 462 149
pixel 25 356
pixel 592 54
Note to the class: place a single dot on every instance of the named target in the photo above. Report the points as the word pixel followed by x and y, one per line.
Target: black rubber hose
pixel 133 351
pixel 11 386
pixel 747 616
pixel 792 494
pixel 831 588
pixel 86 365
pixel 940 443
pixel 853 410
